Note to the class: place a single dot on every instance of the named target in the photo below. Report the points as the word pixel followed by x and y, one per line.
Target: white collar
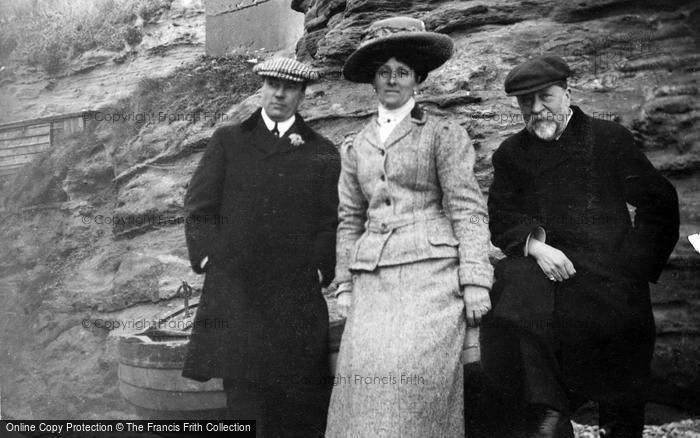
pixel 388 119
pixel 282 126
pixel 393 116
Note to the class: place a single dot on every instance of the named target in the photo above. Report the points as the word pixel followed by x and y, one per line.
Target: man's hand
pixel 477 303
pixel 343 302
pixel 554 263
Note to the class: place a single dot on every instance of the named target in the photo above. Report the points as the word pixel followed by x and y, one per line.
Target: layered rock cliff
pixel 637 63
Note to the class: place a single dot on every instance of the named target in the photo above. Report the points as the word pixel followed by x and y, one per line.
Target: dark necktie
pixel 275 130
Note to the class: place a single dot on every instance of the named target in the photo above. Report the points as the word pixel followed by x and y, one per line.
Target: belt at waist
pixel 390 224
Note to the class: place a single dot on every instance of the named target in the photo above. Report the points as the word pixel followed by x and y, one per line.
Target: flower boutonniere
pixel 296 140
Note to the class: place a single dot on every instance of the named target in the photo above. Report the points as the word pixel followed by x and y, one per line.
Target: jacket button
pixel 388 202
pixel 382 152
pixel 383 177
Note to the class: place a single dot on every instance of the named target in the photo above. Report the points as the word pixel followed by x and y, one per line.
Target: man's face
pixel 545 111
pixel 281 98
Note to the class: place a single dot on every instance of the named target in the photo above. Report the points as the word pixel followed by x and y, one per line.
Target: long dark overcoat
pixel 264 211
pixel 577 189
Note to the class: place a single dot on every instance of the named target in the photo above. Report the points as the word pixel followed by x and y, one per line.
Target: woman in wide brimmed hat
pixel 412 249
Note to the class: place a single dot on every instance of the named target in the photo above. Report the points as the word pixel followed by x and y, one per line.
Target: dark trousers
pixel 523 370
pixel 288 410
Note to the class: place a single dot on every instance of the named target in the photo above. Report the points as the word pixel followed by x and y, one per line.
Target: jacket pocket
pixel 368 250
pixel 440 233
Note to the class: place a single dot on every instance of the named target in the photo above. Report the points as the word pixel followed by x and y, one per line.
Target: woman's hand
pixel 472 349
pixel 344 301
pixel 554 263
pixel 477 303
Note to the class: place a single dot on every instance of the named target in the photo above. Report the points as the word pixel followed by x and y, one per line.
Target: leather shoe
pixel 549 423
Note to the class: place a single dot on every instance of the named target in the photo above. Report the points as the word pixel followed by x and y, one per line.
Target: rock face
pixel 635 63
pixel 101 77
pixel 93 231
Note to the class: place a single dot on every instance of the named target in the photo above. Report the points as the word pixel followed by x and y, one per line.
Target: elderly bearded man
pixel 262 214
pixel 572 317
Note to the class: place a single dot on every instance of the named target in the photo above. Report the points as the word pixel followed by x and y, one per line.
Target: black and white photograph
pixel 350 218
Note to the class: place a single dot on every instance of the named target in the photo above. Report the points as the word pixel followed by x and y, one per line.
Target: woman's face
pixel 395 83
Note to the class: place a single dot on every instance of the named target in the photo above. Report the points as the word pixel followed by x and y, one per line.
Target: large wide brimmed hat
pixel 397 35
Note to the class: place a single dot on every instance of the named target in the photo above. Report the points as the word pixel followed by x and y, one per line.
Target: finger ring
pixel 551 277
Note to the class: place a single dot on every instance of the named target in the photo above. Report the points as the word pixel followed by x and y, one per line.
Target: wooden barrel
pixel 150 369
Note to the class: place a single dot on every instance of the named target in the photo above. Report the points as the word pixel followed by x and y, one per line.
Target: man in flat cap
pixel 262 214
pixel 572 318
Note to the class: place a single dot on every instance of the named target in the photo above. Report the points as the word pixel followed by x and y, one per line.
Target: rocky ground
pixel 93 230
pixel 679 429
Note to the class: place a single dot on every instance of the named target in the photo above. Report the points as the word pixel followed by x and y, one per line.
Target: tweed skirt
pixel 399 372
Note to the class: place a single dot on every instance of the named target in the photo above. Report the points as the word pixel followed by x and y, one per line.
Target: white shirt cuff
pixel 539 234
pixel 343 288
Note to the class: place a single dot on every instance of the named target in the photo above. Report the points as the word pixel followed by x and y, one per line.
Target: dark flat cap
pixel 536 74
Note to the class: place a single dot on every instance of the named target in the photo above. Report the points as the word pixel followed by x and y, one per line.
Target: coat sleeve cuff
pixel 345 287
pixel 199 266
pixel 342 276
pixel 476 276
pixel 342 273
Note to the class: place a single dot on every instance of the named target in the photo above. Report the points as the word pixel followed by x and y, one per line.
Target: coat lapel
pixel 400 131
pixel 404 127
pixel 371 134
pixel 263 140
pixel 299 129
pixel 258 137
pixel 282 145
pixel 556 156
pixel 572 149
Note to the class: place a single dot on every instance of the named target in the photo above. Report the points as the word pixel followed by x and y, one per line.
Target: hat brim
pixel 534 88
pixel 434 50
pixel 287 77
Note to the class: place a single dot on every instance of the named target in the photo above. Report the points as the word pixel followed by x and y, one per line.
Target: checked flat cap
pixel 287 69
pixel 536 74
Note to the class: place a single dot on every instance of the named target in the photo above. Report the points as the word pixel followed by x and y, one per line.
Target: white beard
pixel 544 129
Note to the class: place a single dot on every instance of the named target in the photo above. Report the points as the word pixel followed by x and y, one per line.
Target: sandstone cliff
pixel 635 62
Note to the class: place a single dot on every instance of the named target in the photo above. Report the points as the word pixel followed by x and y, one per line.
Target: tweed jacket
pixel 414 197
